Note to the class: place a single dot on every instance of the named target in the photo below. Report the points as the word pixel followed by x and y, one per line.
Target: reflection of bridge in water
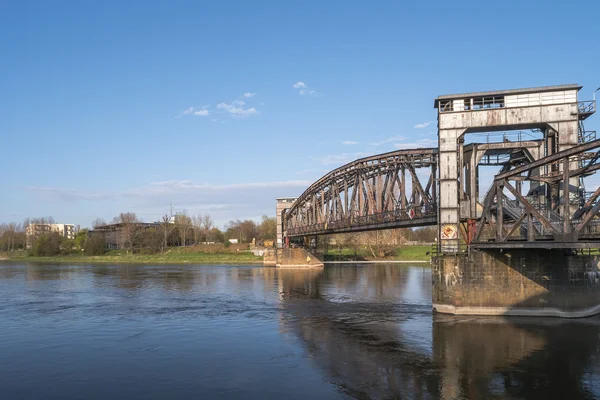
pixel 372 350
pixel 369 330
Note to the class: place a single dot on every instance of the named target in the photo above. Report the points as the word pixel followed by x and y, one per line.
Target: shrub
pixel 95 245
pixel 47 245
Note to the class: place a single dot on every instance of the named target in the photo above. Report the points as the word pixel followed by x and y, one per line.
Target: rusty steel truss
pixel 568 219
pixel 395 189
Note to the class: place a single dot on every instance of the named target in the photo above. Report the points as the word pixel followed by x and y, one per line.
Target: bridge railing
pixel 587 107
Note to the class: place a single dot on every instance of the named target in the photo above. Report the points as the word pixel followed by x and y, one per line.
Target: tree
pixel 152 240
pixel 38 220
pixel 129 222
pixel 426 234
pixel 197 228
pixel 12 237
pixel 207 222
pixel 80 238
pixel 184 224
pixel 67 246
pixel 268 228
pixel 215 235
pixel 47 245
pixel 98 222
pixel 95 244
pixel 233 230
pixel 167 228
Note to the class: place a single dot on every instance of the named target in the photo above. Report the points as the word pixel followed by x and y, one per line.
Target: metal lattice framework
pixel 378 192
pixel 565 223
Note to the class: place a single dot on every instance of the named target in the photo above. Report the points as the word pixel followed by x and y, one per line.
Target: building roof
pixel 572 86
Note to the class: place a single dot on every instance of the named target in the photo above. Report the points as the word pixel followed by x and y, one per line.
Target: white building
pixel 34 230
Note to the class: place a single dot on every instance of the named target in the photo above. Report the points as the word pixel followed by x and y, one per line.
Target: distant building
pixel 32 231
pixel 233 241
pixel 283 203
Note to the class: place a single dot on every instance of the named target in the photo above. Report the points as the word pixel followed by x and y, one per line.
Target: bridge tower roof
pixel 540 89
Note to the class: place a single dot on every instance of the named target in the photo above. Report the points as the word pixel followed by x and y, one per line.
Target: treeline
pixel 186 230
pixel 134 235
pixel 12 234
pixel 12 237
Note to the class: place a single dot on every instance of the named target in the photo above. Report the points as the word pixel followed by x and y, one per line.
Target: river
pixel 243 332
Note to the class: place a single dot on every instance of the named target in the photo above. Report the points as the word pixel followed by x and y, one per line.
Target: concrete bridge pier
pixel 517 282
pixel 291 258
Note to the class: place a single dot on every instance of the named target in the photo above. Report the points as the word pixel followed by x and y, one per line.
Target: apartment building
pixel 32 231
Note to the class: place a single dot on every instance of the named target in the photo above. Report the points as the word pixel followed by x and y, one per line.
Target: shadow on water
pixel 364 349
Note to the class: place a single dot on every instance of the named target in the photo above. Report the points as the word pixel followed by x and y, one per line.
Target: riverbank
pixel 419 253
pixel 404 254
pixel 165 258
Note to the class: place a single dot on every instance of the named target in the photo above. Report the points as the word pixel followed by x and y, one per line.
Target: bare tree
pixel 129 223
pixel 184 224
pixel 207 225
pixel 197 228
pixel 167 227
pixel 98 222
pixel 11 236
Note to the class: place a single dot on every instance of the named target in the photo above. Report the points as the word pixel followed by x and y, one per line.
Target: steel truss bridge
pixel 512 219
pixel 398 190
pixel 390 190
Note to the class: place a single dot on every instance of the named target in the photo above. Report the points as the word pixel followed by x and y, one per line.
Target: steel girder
pixel 390 190
pixel 542 223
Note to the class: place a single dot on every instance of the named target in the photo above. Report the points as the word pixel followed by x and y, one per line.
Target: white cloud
pixel 237 111
pixel 349 142
pixel 202 112
pixel 299 85
pixel 69 195
pixel 187 111
pixel 389 140
pixel 421 143
pixel 340 159
pixel 235 108
pixel 150 201
pixel 423 125
pixel 303 89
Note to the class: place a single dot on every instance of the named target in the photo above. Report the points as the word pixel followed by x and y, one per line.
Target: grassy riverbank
pixel 163 258
pixel 186 256
pixel 402 253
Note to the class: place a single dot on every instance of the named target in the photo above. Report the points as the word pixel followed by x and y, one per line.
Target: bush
pixel 47 245
pixel 67 246
pixel 95 245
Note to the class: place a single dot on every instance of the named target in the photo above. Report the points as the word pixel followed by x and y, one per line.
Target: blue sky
pixel 220 107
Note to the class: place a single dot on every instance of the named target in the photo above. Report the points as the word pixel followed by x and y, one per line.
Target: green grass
pixel 174 257
pixel 402 253
pixel 413 253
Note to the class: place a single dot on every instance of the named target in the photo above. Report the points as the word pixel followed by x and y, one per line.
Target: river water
pixel 243 332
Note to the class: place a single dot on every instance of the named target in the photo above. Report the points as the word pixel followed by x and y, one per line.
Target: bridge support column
pixel 450 189
pixel 523 282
